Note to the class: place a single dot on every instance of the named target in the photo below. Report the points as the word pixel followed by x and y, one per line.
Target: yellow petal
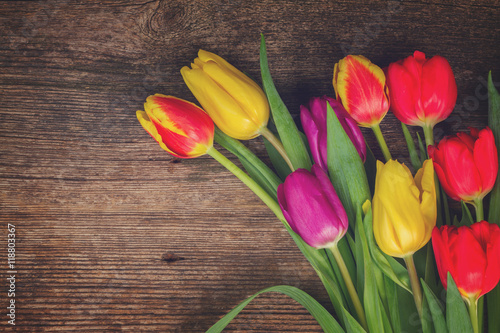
pixel 250 98
pixel 150 128
pixel 400 227
pixel 227 114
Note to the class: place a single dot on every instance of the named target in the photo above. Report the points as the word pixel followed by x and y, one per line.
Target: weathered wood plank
pixel 115 235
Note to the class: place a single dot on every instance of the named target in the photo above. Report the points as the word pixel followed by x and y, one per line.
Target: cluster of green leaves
pixel 381 281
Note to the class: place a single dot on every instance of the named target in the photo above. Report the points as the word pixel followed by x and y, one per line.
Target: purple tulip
pixel 314 123
pixel 312 208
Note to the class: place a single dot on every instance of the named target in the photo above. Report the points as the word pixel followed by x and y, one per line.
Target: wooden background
pixel 115 235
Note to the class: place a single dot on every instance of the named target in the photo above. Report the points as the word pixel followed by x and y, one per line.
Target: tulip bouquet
pixel 383 241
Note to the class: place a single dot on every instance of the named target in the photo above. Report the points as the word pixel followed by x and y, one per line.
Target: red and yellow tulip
pixel 360 86
pixel 180 127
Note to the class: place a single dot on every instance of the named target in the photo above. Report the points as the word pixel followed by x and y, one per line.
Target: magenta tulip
pixel 313 120
pixel 312 208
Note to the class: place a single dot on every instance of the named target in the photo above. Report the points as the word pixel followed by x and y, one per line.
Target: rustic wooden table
pixel 113 234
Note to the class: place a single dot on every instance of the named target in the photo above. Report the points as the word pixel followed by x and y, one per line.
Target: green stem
pixel 429 136
pixel 278 145
pixel 415 285
pixel 445 206
pixel 350 286
pixel 472 302
pixel 259 191
pixel 381 141
pixel 478 205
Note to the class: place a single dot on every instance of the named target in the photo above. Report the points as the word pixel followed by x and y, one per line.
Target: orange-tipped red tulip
pixel 471 255
pixel 360 86
pixel 180 127
pixel 423 92
pixel 466 164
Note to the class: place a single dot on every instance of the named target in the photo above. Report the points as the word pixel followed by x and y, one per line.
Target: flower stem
pixel 259 191
pixel 415 285
pixel 429 136
pixel 277 144
pixel 350 286
pixel 381 141
pixel 478 205
pixel 472 302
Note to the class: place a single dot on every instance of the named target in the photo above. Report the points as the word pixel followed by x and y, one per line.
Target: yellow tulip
pixel 404 208
pixel 237 105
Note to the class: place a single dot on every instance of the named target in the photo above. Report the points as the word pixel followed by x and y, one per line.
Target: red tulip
pixel 471 255
pixel 422 91
pixel 180 127
pixel 466 165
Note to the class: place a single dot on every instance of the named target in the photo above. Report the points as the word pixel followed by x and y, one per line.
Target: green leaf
pixel 457 317
pixel 324 318
pixel 392 304
pixel 467 219
pixel 422 149
pixel 435 309
pixel 387 264
pixel 321 264
pixel 256 169
pixel 371 300
pixel 493 303
pixel 277 160
pixel 415 160
pixel 426 323
pixel 351 325
pixel 370 169
pixel 493 297
pixel 338 275
pixel 494 124
pixel 345 167
pixel 287 130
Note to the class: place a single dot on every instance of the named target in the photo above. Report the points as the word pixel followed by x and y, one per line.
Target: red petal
pixel 486 159
pixel 470 262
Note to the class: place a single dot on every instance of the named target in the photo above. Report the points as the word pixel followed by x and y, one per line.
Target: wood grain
pixel 115 235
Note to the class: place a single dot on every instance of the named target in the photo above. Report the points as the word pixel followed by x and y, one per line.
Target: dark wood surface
pixel 115 235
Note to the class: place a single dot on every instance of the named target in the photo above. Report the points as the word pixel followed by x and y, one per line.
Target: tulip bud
pixel 466 165
pixel 471 255
pixel 180 127
pixel 423 91
pixel 404 208
pixel 312 208
pixel 237 105
pixel 360 86
pixel 313 120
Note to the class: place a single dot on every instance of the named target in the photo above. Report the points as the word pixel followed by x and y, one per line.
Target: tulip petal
pixel 439 89
pixel 469 260
pixel 250 98
pixel 459 169
pixel 222 108
pixel 440 244
pixel 312 130
pixel 148 125
pixel 403 80
pixel 424 179
pixel 486 159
